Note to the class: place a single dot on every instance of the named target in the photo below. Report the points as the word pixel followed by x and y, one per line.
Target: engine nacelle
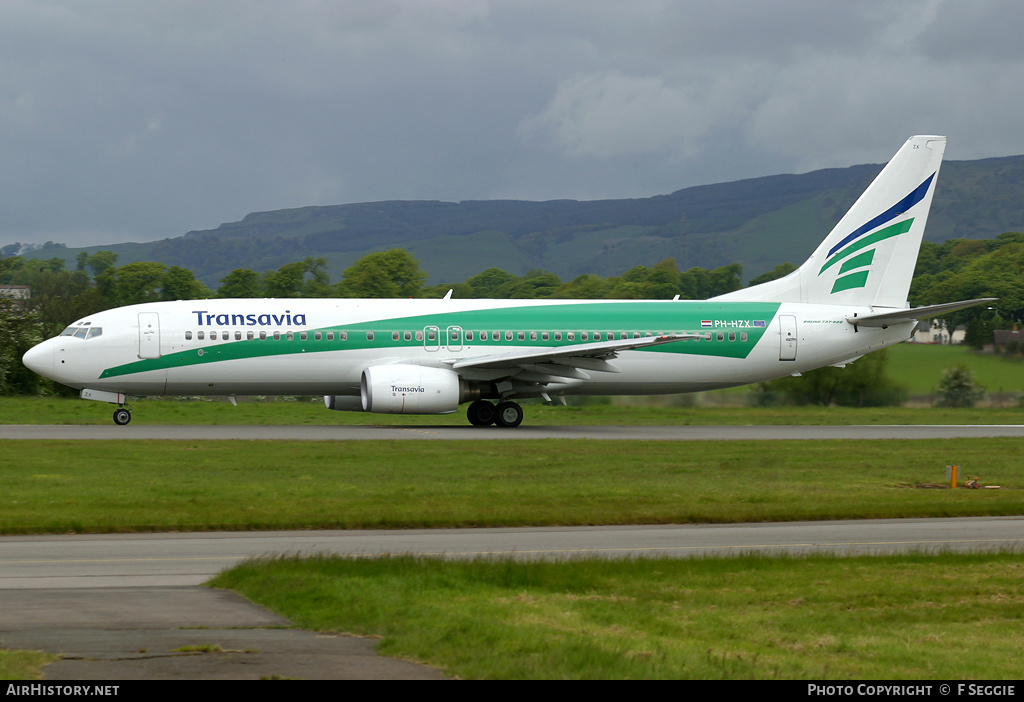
pixel 344 403
pixel 408 389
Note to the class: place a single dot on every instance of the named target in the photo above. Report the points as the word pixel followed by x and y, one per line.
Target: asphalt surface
pixel 129 607
pixel 187 633
pixel 463 433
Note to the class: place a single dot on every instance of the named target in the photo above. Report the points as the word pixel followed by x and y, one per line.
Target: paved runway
pixel 452 433
pixel 160 560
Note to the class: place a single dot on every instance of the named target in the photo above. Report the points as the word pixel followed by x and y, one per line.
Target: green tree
pixel 862 383
pixel 132 283
pixel 97 262
pixel 391 273
pixel 20 330
pixel 536 284
pixel 724 279
pixel 486 284
pixel 958 388
pixel 241 282
pixel 780 271
pixel 181 284
pixel 61 297
pixel 306 278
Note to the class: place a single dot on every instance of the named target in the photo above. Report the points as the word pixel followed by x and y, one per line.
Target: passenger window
pixel 508 336
pixel 277 336
pixel 407 336
pixel 238 336
pixel 469 336
pixel 199 335
pixel 521 336
pixel 720 336
pixel 317 336
pixel 369 336
pixel 188 336
pixel 571 336
pixel 330 336
pixel 558 336
pixel 533 336
pixel 343 336
pixel 431 335
pixel 496 336
pixel 743 336
pixel 291 336
pixel 395 336
pixel 584 336
pixel 263 336
pixel 249 336
pixel 454 335
pixel 732 336
pixel 419 336
pixel 213 335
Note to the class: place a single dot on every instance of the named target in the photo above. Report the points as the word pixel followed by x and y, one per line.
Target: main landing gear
pixel 483 414
pixel 122 415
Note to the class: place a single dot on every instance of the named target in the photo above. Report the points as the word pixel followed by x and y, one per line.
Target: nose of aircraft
pixel 39 359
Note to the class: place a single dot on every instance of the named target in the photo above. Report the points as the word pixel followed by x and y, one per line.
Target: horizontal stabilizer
pixel 913 314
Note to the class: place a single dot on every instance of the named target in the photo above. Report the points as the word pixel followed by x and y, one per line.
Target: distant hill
pixel 759 222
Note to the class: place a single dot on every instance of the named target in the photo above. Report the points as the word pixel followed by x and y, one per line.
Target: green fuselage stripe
pixel 751 318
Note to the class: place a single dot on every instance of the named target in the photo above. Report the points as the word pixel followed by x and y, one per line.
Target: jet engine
pixel 344 403
pixel 409 389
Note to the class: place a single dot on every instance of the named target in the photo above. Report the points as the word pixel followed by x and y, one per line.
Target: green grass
pixel 912 617
pixel 920 366
pixel 23 665
pixel 644 411
pixel 124 486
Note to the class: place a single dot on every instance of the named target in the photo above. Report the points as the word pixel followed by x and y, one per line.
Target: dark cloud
pixel 125 120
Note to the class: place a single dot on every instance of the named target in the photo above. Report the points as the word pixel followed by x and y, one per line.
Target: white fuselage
pixel 228 347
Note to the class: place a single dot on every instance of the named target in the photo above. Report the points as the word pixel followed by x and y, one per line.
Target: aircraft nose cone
pixel 39 359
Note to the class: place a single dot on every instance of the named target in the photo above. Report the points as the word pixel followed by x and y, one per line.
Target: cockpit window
pixel 82 332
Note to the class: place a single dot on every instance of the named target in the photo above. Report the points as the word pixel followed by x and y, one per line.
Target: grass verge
pixel 647 411
pixel 123 486
pixel 896 617
pixel 23 665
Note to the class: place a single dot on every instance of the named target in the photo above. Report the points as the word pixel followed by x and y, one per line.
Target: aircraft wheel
pixel 509 415
pixel 481 413
pixel 122 416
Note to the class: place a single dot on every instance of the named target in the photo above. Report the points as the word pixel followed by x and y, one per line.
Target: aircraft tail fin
pixel 869 257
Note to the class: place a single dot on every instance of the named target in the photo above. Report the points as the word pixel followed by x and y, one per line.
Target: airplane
pixel 429 356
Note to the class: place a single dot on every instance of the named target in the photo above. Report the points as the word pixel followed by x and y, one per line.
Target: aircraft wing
pixel 546 365
pixel 913 314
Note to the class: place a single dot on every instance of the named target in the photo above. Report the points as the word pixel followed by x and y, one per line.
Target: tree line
pixel 955 270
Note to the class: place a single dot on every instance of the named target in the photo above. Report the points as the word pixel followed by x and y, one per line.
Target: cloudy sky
pixel 123 120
